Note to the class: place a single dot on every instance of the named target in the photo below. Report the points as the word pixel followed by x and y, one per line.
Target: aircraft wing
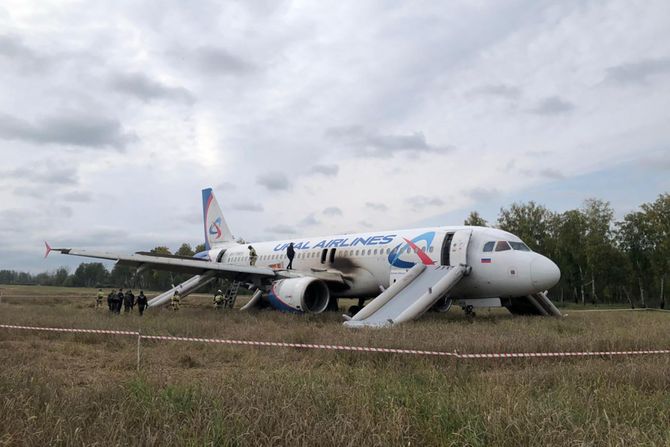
pixel 193 266
pixel 175 264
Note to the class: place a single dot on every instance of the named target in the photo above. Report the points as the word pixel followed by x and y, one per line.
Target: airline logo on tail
pixel 397 252
pixel 215 228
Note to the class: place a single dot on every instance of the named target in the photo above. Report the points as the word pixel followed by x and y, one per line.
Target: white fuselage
pixel 371 261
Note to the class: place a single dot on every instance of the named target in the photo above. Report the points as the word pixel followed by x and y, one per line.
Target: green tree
pixel 475 220
pixel 531 222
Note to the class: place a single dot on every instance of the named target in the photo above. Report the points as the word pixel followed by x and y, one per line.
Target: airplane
pixel 404 272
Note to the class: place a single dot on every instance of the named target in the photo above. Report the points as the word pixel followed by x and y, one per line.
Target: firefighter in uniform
pixel 174 301
pixel 141 302
pixel 218 299
pixel 252 256
pixel 98 299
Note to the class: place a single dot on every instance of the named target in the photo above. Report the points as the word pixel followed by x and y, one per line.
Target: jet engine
pixel 299 295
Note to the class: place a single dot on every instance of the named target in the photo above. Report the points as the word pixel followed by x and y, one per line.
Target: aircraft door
pixel 458 252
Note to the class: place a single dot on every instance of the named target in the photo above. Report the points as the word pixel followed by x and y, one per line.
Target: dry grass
pixel 83 389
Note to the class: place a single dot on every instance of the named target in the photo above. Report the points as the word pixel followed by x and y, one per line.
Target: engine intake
pixel 299 295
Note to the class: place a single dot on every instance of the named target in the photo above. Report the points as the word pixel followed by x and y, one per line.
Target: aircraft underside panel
pixel 409 297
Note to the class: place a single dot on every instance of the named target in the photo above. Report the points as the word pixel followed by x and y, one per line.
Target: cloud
pixel 219 61
pixel 274 181
pixel 77 196
pixel 366 142
pixel 48 173
pixel 309 221
pixel 75 130
pixel 482 194
pixel 376 206
pixel 146 89
pixel 332 211
pixel 638 72
pixel 551 173
pixel 500 90
pixel 245 206
pixel 22 56
pixel 328 170
pixel 552 105
pixel 421 202
pixel 225 186
pixel 281 229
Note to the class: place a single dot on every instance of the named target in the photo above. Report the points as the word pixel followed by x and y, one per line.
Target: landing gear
pixel 443 305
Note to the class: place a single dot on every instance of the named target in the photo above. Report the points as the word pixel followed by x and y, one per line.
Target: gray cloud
pixel 482 194
pixel 146 89
pixel 246 206
pixel 49 173
pixel 309 221
pixel 552 105
pixel 225 186
pixel 219 61
pixel 329 170
pixel 551 173
pixel 274 181
pixel 638 72
pixel 281 229
pixel 500 90
pixel 77 196
pixel 421 202
pixel 332 211
pixel 376 206
pixel 22 56
pixel 76 130
pixel 370 143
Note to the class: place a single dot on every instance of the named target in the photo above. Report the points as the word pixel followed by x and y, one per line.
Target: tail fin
pixel 216 228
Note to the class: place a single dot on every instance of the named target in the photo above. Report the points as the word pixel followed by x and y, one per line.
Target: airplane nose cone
pixel 544 273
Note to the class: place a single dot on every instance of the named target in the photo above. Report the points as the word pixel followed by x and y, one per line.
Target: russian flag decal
pixel 486 260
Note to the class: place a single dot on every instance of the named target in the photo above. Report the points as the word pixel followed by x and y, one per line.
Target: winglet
pixel 48 247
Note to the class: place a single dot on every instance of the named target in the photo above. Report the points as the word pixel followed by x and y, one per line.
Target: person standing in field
pixel 290 254
pixel 174 301
pixel 141 302
pixel 119 301
pixel 218 299
pixel 110 300
pixel 252 256
pixel 98 299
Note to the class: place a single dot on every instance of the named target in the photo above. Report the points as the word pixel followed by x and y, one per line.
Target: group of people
pixel 117 300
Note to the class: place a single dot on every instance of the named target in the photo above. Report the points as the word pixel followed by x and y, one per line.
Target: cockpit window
pixel 502 246
pixel 488 246
pixel 519 246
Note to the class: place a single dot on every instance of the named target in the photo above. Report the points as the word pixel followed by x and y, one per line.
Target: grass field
pixel 70 389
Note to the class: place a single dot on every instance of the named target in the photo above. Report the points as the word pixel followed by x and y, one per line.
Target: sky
pixel 311 118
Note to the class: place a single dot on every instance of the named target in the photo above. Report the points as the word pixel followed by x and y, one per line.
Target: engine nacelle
pixel 299 295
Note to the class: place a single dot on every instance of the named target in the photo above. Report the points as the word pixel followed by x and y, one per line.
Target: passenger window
pixel 502 246
pixel 423 249
pixel 369 251
pixel 409 249
pixel 430 249
pixel 489 246
pixel 356 252
pixel 374 252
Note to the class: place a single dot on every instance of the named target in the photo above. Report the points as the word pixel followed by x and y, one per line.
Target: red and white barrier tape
pixel 349 348
pixel 58 329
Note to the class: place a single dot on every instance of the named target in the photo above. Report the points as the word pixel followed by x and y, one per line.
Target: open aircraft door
pixel 458 252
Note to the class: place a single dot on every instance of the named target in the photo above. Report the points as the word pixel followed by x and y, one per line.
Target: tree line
pixel 602 260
